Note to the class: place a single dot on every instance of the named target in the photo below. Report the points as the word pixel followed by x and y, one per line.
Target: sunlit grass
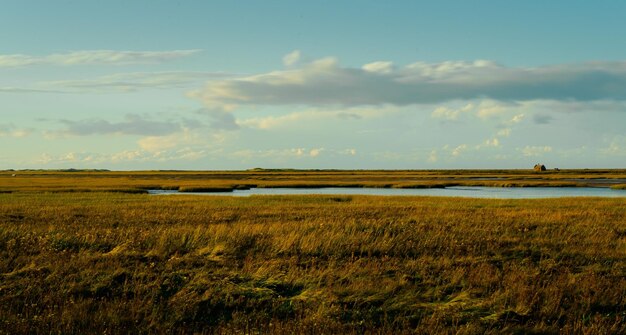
pixel 113 262
pixel 197 181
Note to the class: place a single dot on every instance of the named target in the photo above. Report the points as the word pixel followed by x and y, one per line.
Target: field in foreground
pixel 132 263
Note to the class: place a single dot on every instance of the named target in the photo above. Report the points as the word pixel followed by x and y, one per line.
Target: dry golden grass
pixel 95 262
pixel 133 182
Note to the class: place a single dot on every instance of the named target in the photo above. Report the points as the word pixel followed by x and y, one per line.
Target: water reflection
pixel 456 191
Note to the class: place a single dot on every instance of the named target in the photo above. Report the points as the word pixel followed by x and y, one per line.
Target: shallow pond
pixel 456 191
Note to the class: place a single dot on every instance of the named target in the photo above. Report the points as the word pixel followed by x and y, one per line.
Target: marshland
pixel 219 181
pixel 89 251
pixel 306 167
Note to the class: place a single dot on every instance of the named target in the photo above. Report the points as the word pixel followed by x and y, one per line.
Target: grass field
pixel 203 181
pixel 102 262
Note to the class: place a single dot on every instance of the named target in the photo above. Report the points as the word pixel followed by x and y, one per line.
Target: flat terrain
pixel 75 259
pixel 207 181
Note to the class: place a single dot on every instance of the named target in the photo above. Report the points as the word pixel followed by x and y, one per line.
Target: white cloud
pixel 493 142
pixel 506 132
pixel 129 155
pixel 80 159
pixel 130 82
pixel 617 147
pixel 198 139
pixel 449 70
pixel 288 154
pixel 530 151
pixel 324 82
pixel 379 67
pixel 488 109
pixel 458 150
pixel 16 60
pixel 107 57
pixel 276 154
pixel 292 58
pixel 157 135
pixel 9 130
pixel 270 122
pixel 315 152
pixel 463 148
pixel 158 143
pixel 132 125
pixel 517 119
pixel 451 114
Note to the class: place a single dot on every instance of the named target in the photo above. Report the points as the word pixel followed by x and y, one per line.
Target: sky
pixel 215 85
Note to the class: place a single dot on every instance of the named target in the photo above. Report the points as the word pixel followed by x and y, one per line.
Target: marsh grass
pixel 131 263
pixel 211 181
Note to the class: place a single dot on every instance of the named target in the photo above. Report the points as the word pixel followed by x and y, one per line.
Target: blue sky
pixel 325 84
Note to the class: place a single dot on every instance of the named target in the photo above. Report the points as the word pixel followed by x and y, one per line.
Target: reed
pixel 96 262
pixel 108 181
